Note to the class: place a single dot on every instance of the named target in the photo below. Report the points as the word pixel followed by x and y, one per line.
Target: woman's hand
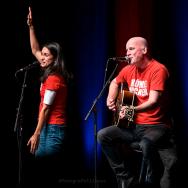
pixel 33 142
pixel 29 18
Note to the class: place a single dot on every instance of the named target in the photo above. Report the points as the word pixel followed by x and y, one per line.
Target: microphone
pixel 30 66
pixel 125 58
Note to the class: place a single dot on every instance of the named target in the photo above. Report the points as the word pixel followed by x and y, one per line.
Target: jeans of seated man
pixel 124 178
pixel 164 154
pixel 109 136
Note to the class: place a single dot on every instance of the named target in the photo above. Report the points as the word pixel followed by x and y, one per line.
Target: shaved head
pixel 138 41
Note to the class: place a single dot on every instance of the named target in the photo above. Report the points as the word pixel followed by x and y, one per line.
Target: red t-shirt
pixel 141 82
pixel 58 108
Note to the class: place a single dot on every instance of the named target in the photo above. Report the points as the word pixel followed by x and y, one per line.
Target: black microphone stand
pixel 93 109
pixel 18 128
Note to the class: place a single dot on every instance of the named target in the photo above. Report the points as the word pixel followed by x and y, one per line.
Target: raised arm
pixel 35 47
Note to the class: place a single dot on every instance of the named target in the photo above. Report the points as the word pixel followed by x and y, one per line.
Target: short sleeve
pixel 53 83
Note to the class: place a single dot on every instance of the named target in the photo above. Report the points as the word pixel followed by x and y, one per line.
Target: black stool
pixel 143 168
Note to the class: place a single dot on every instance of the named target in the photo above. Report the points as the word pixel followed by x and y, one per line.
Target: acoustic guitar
pixel 127 99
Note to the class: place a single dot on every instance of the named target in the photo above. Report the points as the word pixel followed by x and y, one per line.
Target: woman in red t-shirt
pixel 47 141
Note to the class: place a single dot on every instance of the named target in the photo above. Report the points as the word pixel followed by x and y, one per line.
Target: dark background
pixel 90 31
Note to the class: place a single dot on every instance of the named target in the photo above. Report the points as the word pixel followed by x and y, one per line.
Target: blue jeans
pixel 52 139
pixel 49 155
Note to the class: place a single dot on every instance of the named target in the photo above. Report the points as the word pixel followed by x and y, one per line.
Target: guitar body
pixel 124 98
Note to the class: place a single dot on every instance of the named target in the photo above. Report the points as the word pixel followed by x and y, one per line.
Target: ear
pixel 144 50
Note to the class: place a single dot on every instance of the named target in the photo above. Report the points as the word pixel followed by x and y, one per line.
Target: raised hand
pixel 29 18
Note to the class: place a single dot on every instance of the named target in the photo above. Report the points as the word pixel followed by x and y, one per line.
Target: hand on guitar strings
pixel 111 104
pixel 127 112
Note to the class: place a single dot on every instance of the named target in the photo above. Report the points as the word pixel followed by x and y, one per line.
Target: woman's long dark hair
pixel 58 66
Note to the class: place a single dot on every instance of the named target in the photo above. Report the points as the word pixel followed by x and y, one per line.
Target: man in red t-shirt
pixel 146 79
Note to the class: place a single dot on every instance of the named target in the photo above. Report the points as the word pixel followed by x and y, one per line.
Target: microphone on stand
pixel 118 59
pixel 125 58
pixel 30 66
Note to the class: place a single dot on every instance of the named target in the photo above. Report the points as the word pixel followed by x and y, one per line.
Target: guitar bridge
pixel 129 112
